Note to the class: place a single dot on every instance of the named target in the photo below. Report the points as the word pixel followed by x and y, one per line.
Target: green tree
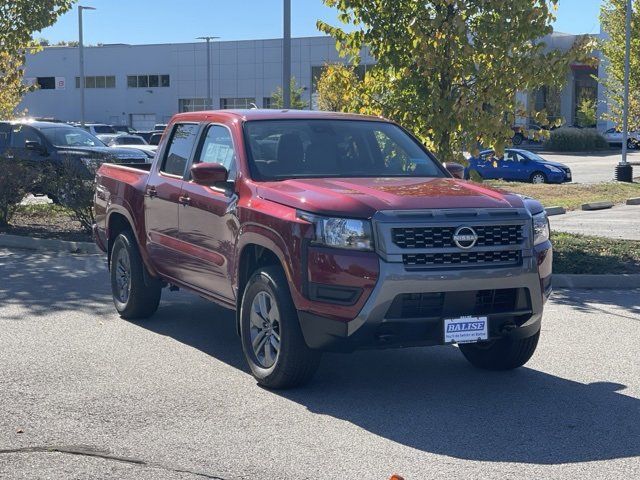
pixel 19 19
pixel 337 87
pixel 613 20
pixel 297 101
pixel 450 69
pixel 586 115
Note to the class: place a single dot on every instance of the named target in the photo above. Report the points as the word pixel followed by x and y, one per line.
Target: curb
pixel 614 281
pixel 597 206
pixel 633 201
pixel 555 211
pixel 48 244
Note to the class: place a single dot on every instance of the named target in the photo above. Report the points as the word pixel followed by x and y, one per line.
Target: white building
pixel 140 85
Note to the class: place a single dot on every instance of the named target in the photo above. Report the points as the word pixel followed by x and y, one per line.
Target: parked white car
pixel 613 136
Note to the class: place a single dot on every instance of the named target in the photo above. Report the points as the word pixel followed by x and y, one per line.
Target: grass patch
pixel 583 254
pixel 572 195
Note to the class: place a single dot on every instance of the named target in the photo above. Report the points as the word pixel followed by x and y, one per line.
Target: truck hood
pixel 120 154
pixel 362 197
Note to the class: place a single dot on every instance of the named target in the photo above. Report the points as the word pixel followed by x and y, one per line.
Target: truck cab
pixel 325 232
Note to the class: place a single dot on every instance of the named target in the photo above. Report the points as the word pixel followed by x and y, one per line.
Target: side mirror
pixel 209 174
pixel 35 146
pixel 455 169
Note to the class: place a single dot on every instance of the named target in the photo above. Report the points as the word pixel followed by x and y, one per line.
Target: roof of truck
pixel 272 114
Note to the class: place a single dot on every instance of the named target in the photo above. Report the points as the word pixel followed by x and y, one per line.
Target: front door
pixel 208 222
pixel 162 197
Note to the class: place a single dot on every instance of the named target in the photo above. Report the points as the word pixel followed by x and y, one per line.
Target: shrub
pixel 575 140
pixel 16 181
pixel 72 185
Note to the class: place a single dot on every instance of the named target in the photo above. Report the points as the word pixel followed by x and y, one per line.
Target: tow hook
pixel 507 328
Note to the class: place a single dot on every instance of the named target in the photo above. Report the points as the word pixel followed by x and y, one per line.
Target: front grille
pixel 506 257
pixel 442 237
pixel 451 304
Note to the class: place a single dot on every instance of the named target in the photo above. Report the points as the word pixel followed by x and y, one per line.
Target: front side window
pixel 218 148
pixel 181 143
pixel 282 149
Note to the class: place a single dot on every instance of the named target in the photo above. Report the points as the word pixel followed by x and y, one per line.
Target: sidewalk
pixel 621 222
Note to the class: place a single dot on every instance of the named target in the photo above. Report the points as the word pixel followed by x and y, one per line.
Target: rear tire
pixel 517 139
pixel 504 354
pixel 631 145
pixel 133 297
pixel 272 340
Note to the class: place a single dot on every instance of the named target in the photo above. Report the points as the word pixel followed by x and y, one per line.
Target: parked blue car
pixel 518 166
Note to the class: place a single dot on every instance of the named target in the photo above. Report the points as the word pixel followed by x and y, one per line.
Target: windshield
pixel 70 137
pixel 282 149
pixel 533 156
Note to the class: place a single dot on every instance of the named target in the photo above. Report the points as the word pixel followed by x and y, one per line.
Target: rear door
pixel 208 222
pixel 162 197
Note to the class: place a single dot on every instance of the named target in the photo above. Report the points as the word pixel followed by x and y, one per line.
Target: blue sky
pixel 168 21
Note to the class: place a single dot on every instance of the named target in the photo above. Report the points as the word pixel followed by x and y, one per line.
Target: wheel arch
pixel 255 252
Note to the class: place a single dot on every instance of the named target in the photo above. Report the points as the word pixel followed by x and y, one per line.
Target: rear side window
pixel 22 134
pixel 179 148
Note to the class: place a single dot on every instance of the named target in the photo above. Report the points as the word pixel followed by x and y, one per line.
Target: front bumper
pixel 376 327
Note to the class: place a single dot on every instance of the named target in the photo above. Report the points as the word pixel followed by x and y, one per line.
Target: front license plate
pixel 466 329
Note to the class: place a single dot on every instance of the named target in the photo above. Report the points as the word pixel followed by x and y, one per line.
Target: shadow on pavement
pixel 432 400
pixel 34 282
pixel 591 301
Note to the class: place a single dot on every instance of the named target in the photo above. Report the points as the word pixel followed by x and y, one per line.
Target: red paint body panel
pixel 362 197
pixel 197 243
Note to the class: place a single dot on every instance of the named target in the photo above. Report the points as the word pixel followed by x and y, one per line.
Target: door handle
pixel 184 200
pixel 152 192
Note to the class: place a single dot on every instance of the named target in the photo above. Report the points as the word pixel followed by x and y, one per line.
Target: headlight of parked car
pixel 347 233
pixel 553 169
pixel 541 229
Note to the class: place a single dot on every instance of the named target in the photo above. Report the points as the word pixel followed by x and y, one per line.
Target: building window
pixel 192 104
pixel 267 102
pixel 244 102
pixel 101 81
pixel 545 98
pixel 148 81
pixel 46 83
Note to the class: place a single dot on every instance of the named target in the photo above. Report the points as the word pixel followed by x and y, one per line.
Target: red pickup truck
pixel 325 232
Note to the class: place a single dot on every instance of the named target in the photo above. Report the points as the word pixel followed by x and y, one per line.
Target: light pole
pixel 81 54
pixel 624 171
pixel 208 39
pixel 286 56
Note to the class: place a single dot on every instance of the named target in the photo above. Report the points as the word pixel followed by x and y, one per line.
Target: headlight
pixel 553 169
pixel 540 228
pixel 347 233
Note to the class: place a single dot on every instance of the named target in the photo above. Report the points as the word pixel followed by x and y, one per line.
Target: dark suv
pixel 52 144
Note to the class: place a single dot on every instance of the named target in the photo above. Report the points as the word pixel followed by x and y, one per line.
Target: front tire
pixel 272 340
pixel 133 297
pixel 631 145
pixel 503 354
pixel 538 178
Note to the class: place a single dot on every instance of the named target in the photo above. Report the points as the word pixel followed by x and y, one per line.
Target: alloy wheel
pixel 123 276
pixel 265 329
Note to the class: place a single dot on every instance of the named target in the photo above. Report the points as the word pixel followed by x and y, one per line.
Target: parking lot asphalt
pixel 85 394
pixel 621 221
pixel 593 167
